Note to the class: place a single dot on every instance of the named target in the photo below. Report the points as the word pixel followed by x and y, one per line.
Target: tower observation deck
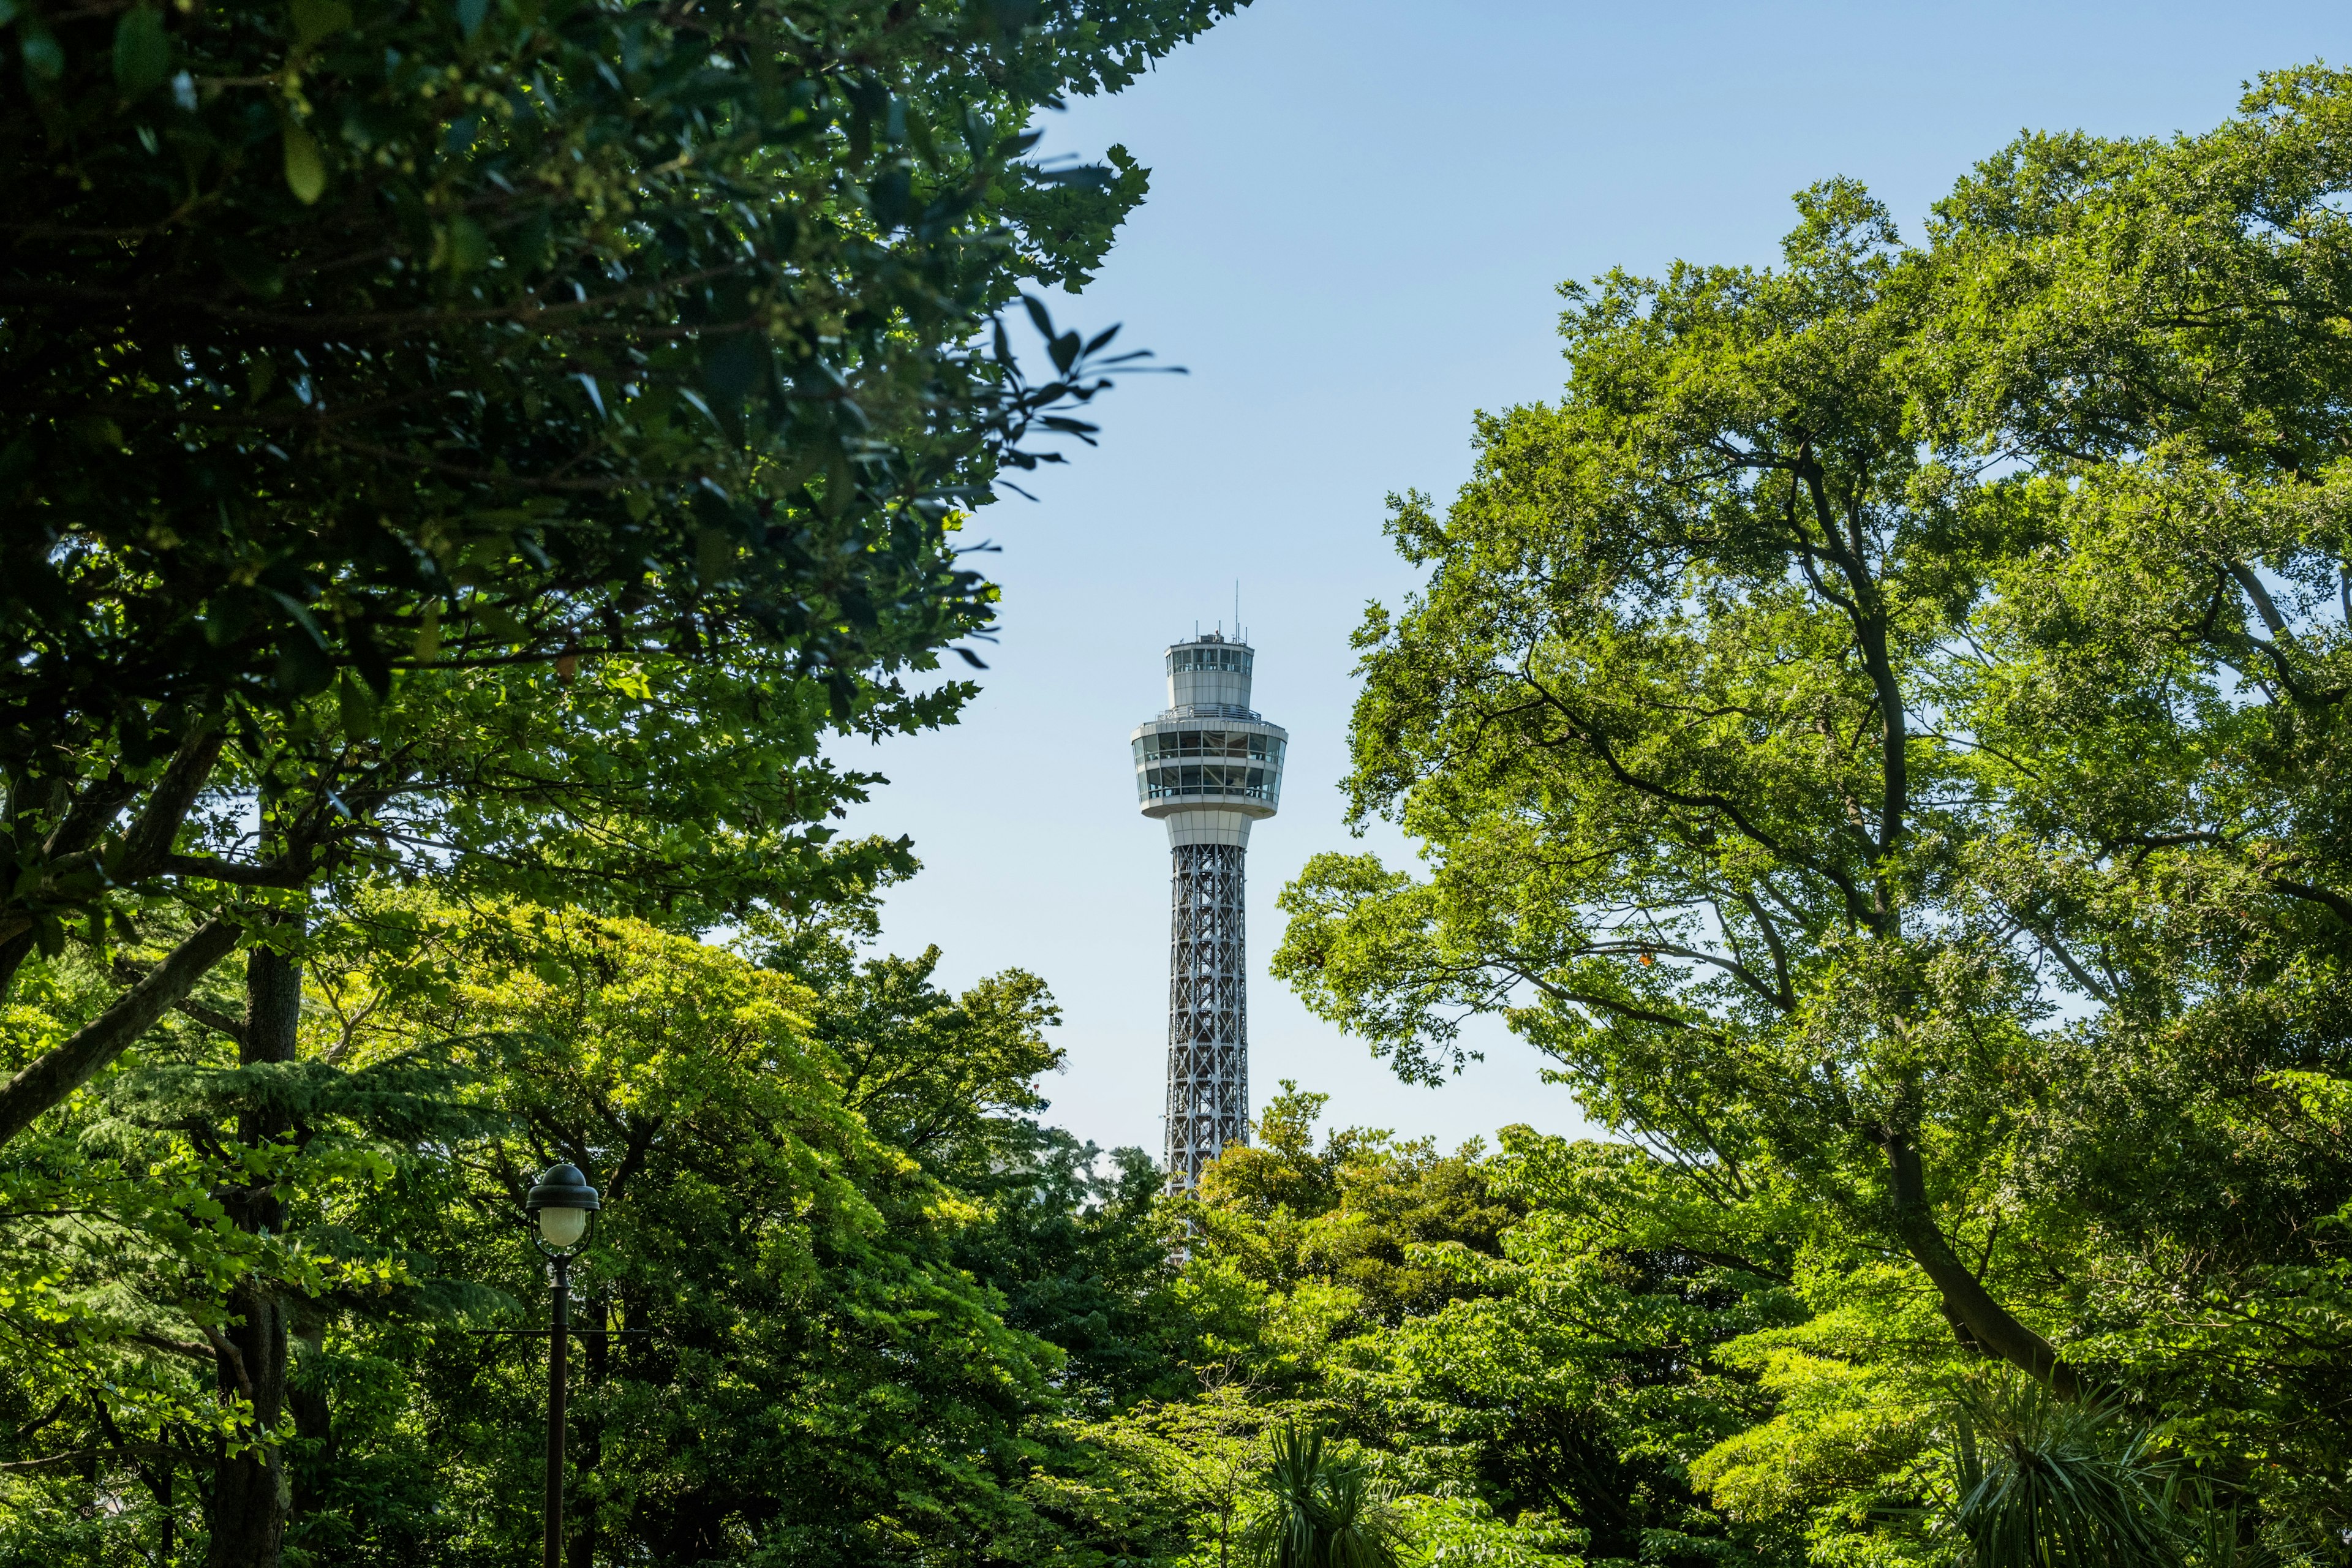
pixel 1207 767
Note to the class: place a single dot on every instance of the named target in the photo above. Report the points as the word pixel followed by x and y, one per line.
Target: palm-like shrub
pixel 1324 1510
pixel 2045 1482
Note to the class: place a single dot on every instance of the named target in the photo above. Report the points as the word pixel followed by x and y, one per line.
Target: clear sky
pixel 1359 211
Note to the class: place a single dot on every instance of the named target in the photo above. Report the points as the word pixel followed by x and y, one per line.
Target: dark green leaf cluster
pixel 375 337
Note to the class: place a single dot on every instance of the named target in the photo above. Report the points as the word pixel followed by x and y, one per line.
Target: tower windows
pixel 1176 781
pixel 1254 744
pixel 1200 656
pixel 1172 764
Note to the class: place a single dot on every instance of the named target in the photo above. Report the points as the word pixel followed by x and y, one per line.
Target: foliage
pixel 1582 1373
pixel 1323 1510
pixel 783 1359
pixel 1878 733
pixel 1543 1389
pixel 500 439
pixel 435 328
pixel 1352 1215
pixel 486 445
pixel 2042 1482
pixel 1069 1237
pixel 1875 732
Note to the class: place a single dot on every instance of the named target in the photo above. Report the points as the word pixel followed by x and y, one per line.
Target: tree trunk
pixel 251 1491
pixel 1967 1304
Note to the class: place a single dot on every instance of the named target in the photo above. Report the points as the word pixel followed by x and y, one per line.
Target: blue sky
pixel 1358 216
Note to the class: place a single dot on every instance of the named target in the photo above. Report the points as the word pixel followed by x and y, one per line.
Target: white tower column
pixel 1208 766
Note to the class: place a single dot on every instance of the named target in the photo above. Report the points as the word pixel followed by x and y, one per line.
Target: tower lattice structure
pixel 1208 766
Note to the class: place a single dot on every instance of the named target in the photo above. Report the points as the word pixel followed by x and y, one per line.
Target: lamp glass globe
pixel 562 1227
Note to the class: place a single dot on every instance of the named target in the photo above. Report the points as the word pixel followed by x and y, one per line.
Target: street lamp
pixel 560 1201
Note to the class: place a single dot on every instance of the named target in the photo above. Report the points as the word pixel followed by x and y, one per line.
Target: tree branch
pixel 2050 943
pixel 57 1073
pixel 236 873
pixel 2264 605
pixel 69 846
pixel 1868 618
pixel 190 1347
pixel 145 846
pixel 1772 934
pixel 210 1017
pixel 1730 809
pixel 228 1357
pixel 2336 902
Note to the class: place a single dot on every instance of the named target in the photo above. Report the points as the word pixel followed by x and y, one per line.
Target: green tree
pixel 1655 716
pixel 1070 1237
pixel 1575 1379
pixel 1358 1214
pixel 817 1342
pixel 1876 732
pixel 493 445
pixel 780 1360
pixel 484 345
pixel 1066 1233
pixel 2170 687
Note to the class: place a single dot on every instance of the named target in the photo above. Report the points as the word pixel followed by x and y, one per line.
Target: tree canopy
pixel 503 437
pixel 486 447
pixel 1878 732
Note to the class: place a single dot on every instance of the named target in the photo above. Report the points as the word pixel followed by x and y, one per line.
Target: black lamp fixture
pixel 560 1201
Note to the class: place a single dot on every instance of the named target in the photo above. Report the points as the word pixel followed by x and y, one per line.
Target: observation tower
pixel 1207 767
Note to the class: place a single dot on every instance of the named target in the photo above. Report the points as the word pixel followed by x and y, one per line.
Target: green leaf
pixel 306 170
pixel 713 553
pixel 357 704
pixel 470 14
pixel 143 51
pixel 317 19
pixel 461 246
pixel 498 620
pixel 1011 15
pixel 734 365
pixel 43 58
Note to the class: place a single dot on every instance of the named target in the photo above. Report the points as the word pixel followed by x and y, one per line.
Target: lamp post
pixel 560 1201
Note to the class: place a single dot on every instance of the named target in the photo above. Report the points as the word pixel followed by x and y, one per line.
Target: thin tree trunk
pixel 251 1491
pixel 1967 1303
pixel 13 953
